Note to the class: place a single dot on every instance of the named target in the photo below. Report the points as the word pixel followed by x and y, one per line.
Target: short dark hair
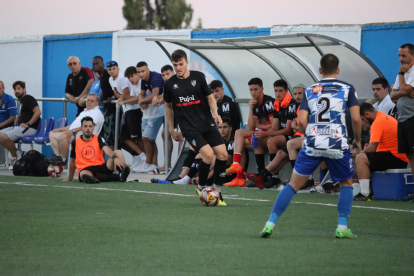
pixel 227 120
pixel 256 81
pixel 365 107
pixel 141 64
pixel 131 70
pixel 329 64
pixel 280 83
pixel 216 84
pixel 87 119
pixel 98 57
pixel 2 83
pixel 382 81
pixel 409 46
pixel 177 55
pixel 167 68
pixel 21 83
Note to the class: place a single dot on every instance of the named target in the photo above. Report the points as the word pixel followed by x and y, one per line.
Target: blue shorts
pixel 340 169
pixel 151 126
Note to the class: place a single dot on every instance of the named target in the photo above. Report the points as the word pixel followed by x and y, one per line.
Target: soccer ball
pixel 55 171
pixel 209 196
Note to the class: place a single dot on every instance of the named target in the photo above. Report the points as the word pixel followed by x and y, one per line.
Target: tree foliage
pixel 161 14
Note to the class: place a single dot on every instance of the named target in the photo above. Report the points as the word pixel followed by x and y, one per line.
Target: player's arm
pixel 213 106
pixel 303 120
pixel 148 100
pixel 36 115
pixel 356 126
pixel 372 147
pixel 72 169
pixel 252 120
pixel 111 154
pixel 87 88
pixel 10 120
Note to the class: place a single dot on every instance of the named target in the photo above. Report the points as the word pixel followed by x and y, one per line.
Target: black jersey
pixel 27 104
pixel 230 144
pixel 188 98
pixel 264 110
pixel 287 113
pixel 229 109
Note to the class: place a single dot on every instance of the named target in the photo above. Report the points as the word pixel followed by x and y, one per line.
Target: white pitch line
pixel 184 195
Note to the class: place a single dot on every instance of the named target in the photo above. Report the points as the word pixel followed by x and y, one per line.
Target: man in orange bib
pixel 381 154
pixel 87 156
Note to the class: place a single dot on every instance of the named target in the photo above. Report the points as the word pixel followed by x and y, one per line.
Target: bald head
pixel 74 65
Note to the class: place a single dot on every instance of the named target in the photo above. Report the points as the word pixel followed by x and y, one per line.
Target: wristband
pixel 401 73
pixel 114 156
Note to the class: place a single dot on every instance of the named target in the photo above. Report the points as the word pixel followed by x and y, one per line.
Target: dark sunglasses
pixel 73 63
pixel 111 63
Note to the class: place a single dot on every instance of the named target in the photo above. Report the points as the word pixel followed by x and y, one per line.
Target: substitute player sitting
pixel 322 114
pixel 260 117
pixel 87 156
pixel 382 152
pixel 187 95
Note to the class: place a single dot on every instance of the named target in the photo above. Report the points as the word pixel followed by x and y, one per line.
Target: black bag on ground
pixel 33 163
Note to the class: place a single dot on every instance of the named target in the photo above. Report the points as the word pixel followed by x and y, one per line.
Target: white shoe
pixel 143 168
pixel 136 160
pixel 143 156
pixel 12 161
pixel 182 181
pixel 19 154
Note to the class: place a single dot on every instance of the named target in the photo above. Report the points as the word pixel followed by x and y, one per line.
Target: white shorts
pixel 15 132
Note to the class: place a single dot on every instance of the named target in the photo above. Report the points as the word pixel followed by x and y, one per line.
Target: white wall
pixel 22 59
pixel 129 48
pixel 350 34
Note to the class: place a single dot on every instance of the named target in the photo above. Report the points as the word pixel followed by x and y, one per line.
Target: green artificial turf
pixel 53 230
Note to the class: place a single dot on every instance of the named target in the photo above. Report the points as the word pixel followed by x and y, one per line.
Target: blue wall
pixel 230 33
pixel 56 51
pixel 380 43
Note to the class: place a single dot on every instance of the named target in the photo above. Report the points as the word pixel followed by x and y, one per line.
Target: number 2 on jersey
pixel 323 107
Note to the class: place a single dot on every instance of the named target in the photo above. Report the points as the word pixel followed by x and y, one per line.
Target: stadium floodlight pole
pixel 166 134
pixel 116 125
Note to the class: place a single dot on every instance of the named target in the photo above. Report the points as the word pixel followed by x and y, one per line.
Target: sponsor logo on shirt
pixel 269 106
pixel 193 143
pixel 189 100
pixel 226 108
pixel 81 77
pixel 230 146
pixel 70 82
pixel 193 82
pixel 175 86
pixel 317 89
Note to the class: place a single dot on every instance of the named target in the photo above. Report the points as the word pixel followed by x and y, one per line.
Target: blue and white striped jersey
pixel 326 134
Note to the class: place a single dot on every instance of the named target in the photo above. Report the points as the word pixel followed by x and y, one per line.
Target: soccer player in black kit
pixel 188 97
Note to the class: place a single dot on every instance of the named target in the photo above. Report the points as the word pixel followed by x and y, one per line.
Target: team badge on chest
pixel 193 82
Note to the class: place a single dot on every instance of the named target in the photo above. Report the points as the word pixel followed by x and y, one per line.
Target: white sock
pixel 183 180
pixel 57 154
pixel 217 187
pixel 275 176
pixel 310 177
pixel 143 156
pixel 63 159
pixel 200 187
pixel 270 223
pixel 342 227
pixel 364 183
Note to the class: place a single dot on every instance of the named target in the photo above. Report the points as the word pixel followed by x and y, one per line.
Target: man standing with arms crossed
pixel 188 96
pixel 403 90
pixel 322 114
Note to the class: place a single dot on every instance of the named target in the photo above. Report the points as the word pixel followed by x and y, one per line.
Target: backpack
pixel 32 163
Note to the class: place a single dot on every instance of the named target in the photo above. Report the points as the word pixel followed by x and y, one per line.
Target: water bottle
pixel 254 141
pixel 160 181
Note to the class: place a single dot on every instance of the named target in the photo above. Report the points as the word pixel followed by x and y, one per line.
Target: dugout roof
pixel 294 58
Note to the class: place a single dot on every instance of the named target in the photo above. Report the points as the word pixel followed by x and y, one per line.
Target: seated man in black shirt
pixel 226 107
pixel 27 122
pixel 260 117
pixel 78 83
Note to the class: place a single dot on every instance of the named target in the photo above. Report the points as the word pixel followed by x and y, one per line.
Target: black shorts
pixel 284 149
pixel 211 137
pixel 406 136
pixel 131 128
pixel 384 160
pixel 102 169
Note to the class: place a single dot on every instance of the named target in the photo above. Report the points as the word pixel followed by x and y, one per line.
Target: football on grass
pixel 55 171
pixel 209 196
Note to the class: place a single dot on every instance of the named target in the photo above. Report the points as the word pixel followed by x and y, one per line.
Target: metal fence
pixel 117 117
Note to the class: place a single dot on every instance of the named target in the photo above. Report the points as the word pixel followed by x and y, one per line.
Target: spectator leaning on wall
pixel 8 110
pixel 27 122
pixel 108 129
pixel 78 83
pixel 403 90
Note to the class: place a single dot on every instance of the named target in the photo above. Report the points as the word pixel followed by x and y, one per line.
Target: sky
pixel 49 17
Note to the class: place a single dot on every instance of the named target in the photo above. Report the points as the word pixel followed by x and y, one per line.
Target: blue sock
pixel 282 202
pixel 344 206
